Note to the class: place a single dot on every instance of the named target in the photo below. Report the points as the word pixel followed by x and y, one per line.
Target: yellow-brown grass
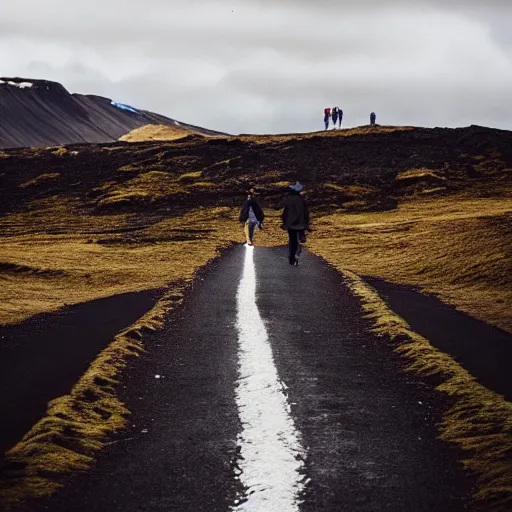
pixel 458 247
pixel 149 187
pixel 190 177
pixel 146 187
pixel 60 151
pixel 156 132
pixel 72 267
pixel 42 178
pixel 479 421
pixel 344 132
pixel 418 174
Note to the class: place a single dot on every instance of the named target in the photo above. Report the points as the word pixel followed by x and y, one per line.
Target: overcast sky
pixel 268 66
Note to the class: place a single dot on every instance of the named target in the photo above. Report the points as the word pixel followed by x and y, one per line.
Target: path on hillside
pixel 275 398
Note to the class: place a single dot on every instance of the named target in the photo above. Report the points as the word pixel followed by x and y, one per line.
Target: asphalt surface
pixel 367 430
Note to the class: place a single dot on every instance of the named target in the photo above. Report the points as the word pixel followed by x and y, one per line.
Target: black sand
pixel 41 358
pixel 485 351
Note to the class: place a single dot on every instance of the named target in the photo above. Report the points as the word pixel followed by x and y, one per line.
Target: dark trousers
pixel 294 235
pixel 249 230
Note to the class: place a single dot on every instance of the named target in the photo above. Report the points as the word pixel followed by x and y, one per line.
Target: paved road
pixel 271 395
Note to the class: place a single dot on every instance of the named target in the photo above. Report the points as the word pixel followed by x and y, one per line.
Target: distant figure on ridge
pixel 251 215
pixel 340 116
pixel 295 219
pixel 334 116
pixel 373 117
pixel 327 115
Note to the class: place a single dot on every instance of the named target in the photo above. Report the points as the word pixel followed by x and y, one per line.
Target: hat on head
pixel 298 187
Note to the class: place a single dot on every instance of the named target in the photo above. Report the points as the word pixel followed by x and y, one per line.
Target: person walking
pixel 334 116
pixel 327 115
pixel 340 116
pixel 295 219
pixel 251 215
pixel 373 118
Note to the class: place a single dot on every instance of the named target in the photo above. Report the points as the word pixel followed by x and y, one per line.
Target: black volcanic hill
pixel 37 113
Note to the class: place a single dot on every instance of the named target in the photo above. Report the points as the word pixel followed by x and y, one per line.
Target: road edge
pixel 478 421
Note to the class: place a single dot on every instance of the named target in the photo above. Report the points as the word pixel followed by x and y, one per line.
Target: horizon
pixel 27 82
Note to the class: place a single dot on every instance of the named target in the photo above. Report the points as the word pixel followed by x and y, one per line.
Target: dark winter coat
pixel 251 202
pixel 295 214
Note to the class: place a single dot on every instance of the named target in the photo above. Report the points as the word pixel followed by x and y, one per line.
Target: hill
pixel 428 208
pixel 373 191
pixel 36 113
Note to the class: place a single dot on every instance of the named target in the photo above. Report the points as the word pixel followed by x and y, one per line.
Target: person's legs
pixel 301 239
pixel 251 227
pixel 247 232
pixel 292 245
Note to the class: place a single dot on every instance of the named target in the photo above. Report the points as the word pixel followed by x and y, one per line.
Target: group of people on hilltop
pixel 295 219
pixel 337 116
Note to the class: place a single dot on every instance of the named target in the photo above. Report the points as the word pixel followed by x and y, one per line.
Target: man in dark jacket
pixel 251 215
pixel 334 116
pixel 295 219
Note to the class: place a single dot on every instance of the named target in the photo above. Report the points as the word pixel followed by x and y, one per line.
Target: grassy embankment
pixel 457 247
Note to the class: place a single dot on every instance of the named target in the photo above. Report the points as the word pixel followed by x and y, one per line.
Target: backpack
pixel 327 111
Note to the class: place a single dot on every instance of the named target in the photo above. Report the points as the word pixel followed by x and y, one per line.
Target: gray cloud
pixel 267 66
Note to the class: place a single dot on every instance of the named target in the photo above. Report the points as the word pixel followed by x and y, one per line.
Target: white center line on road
pixel 271 460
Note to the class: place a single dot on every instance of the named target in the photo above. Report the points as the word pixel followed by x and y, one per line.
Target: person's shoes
pixel 296 262
pixel 291 261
